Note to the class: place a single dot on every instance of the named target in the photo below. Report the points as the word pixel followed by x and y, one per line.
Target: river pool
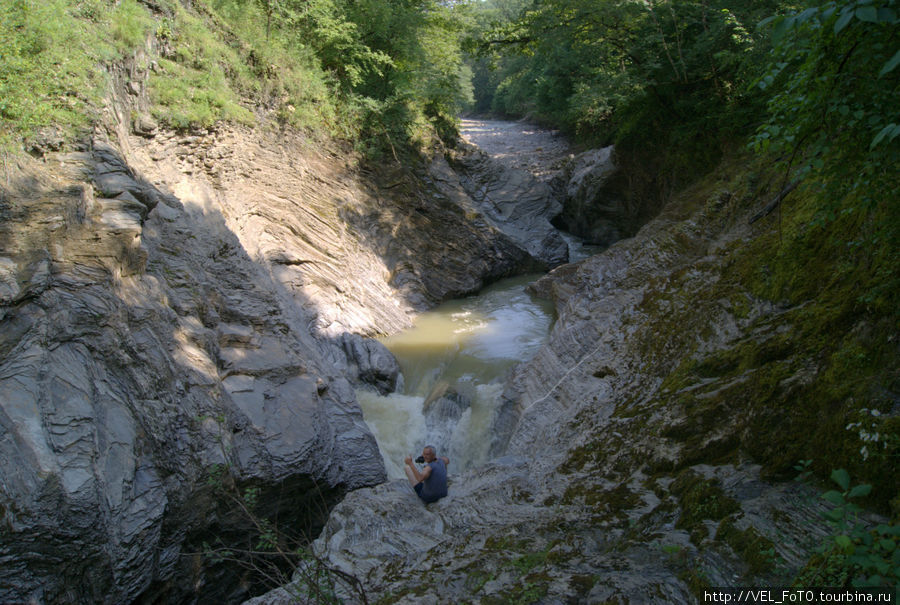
pixel 463 349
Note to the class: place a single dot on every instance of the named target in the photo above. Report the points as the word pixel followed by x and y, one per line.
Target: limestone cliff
pixel 645 453
pixel 180 311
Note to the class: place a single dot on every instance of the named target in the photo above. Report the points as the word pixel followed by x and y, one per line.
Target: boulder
pixel 442 422
pixel 372 363
pixel 594 205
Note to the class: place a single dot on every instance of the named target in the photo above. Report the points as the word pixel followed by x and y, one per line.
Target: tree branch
pixel 770 207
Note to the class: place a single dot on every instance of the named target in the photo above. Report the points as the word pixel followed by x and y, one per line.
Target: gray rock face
pixel 142 348
pixel 597 350
pixel 182 312
pixel 606 486
pixel 515 202
pixel 594 203
pixel 425 228
pixel 508 529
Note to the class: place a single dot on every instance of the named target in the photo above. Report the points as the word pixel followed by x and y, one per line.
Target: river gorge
pixel 192 319
pixel 254 253
pixel 187 314
pixel 466 348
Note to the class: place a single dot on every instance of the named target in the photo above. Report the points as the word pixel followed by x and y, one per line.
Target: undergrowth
pixel 48 53
pixel 220 60
pixel 199 78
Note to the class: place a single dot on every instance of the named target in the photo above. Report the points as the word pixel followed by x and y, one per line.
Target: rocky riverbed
pixel 610 481
pixel 185 317
pixel 540 151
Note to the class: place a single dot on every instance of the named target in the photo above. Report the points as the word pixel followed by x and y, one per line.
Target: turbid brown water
pixel 463 347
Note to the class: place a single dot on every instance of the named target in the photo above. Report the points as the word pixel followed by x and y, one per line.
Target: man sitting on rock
pixel 431 482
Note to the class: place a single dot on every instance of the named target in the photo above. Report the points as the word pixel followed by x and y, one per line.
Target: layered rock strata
pixel 515 202
pixel 616 478
pixel 143 349
pixel 182 313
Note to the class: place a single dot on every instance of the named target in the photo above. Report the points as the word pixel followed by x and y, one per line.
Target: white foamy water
pixel 390 418
pixel 464 348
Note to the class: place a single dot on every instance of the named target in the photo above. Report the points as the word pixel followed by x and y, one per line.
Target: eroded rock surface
pixel 371 362
pixel 617 476
pixel 182 312
pixel 513 528
pixel 515 202
pixel 142 349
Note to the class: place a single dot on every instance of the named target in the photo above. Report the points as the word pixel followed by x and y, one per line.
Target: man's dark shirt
pixel 435 486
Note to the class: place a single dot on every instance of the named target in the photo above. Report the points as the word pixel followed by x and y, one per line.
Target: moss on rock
pixel 700 500
pixel 757 551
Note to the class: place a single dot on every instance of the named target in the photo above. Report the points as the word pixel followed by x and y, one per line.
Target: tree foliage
pixel 834 123
pixel 588 60
pixel 383 73
pixel 396 65
pixel 675 83
pixel 669 77
pixel 833 85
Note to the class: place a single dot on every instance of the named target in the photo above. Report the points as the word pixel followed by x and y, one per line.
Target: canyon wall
pixel 644 454
pixel 183 314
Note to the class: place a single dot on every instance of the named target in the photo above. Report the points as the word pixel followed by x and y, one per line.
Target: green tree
pixel 833 84
pixel 396 64
pixel 666 80
pixel 834 125
pixel 427 77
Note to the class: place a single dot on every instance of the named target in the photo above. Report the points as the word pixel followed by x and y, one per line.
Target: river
pixel 519 145
pixel 462 349
pixel 457 356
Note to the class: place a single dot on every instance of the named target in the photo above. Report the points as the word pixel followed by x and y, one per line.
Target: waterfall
pixel 454 362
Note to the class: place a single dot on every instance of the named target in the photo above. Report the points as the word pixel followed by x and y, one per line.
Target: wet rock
pixel 448 407
pixel 443 413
